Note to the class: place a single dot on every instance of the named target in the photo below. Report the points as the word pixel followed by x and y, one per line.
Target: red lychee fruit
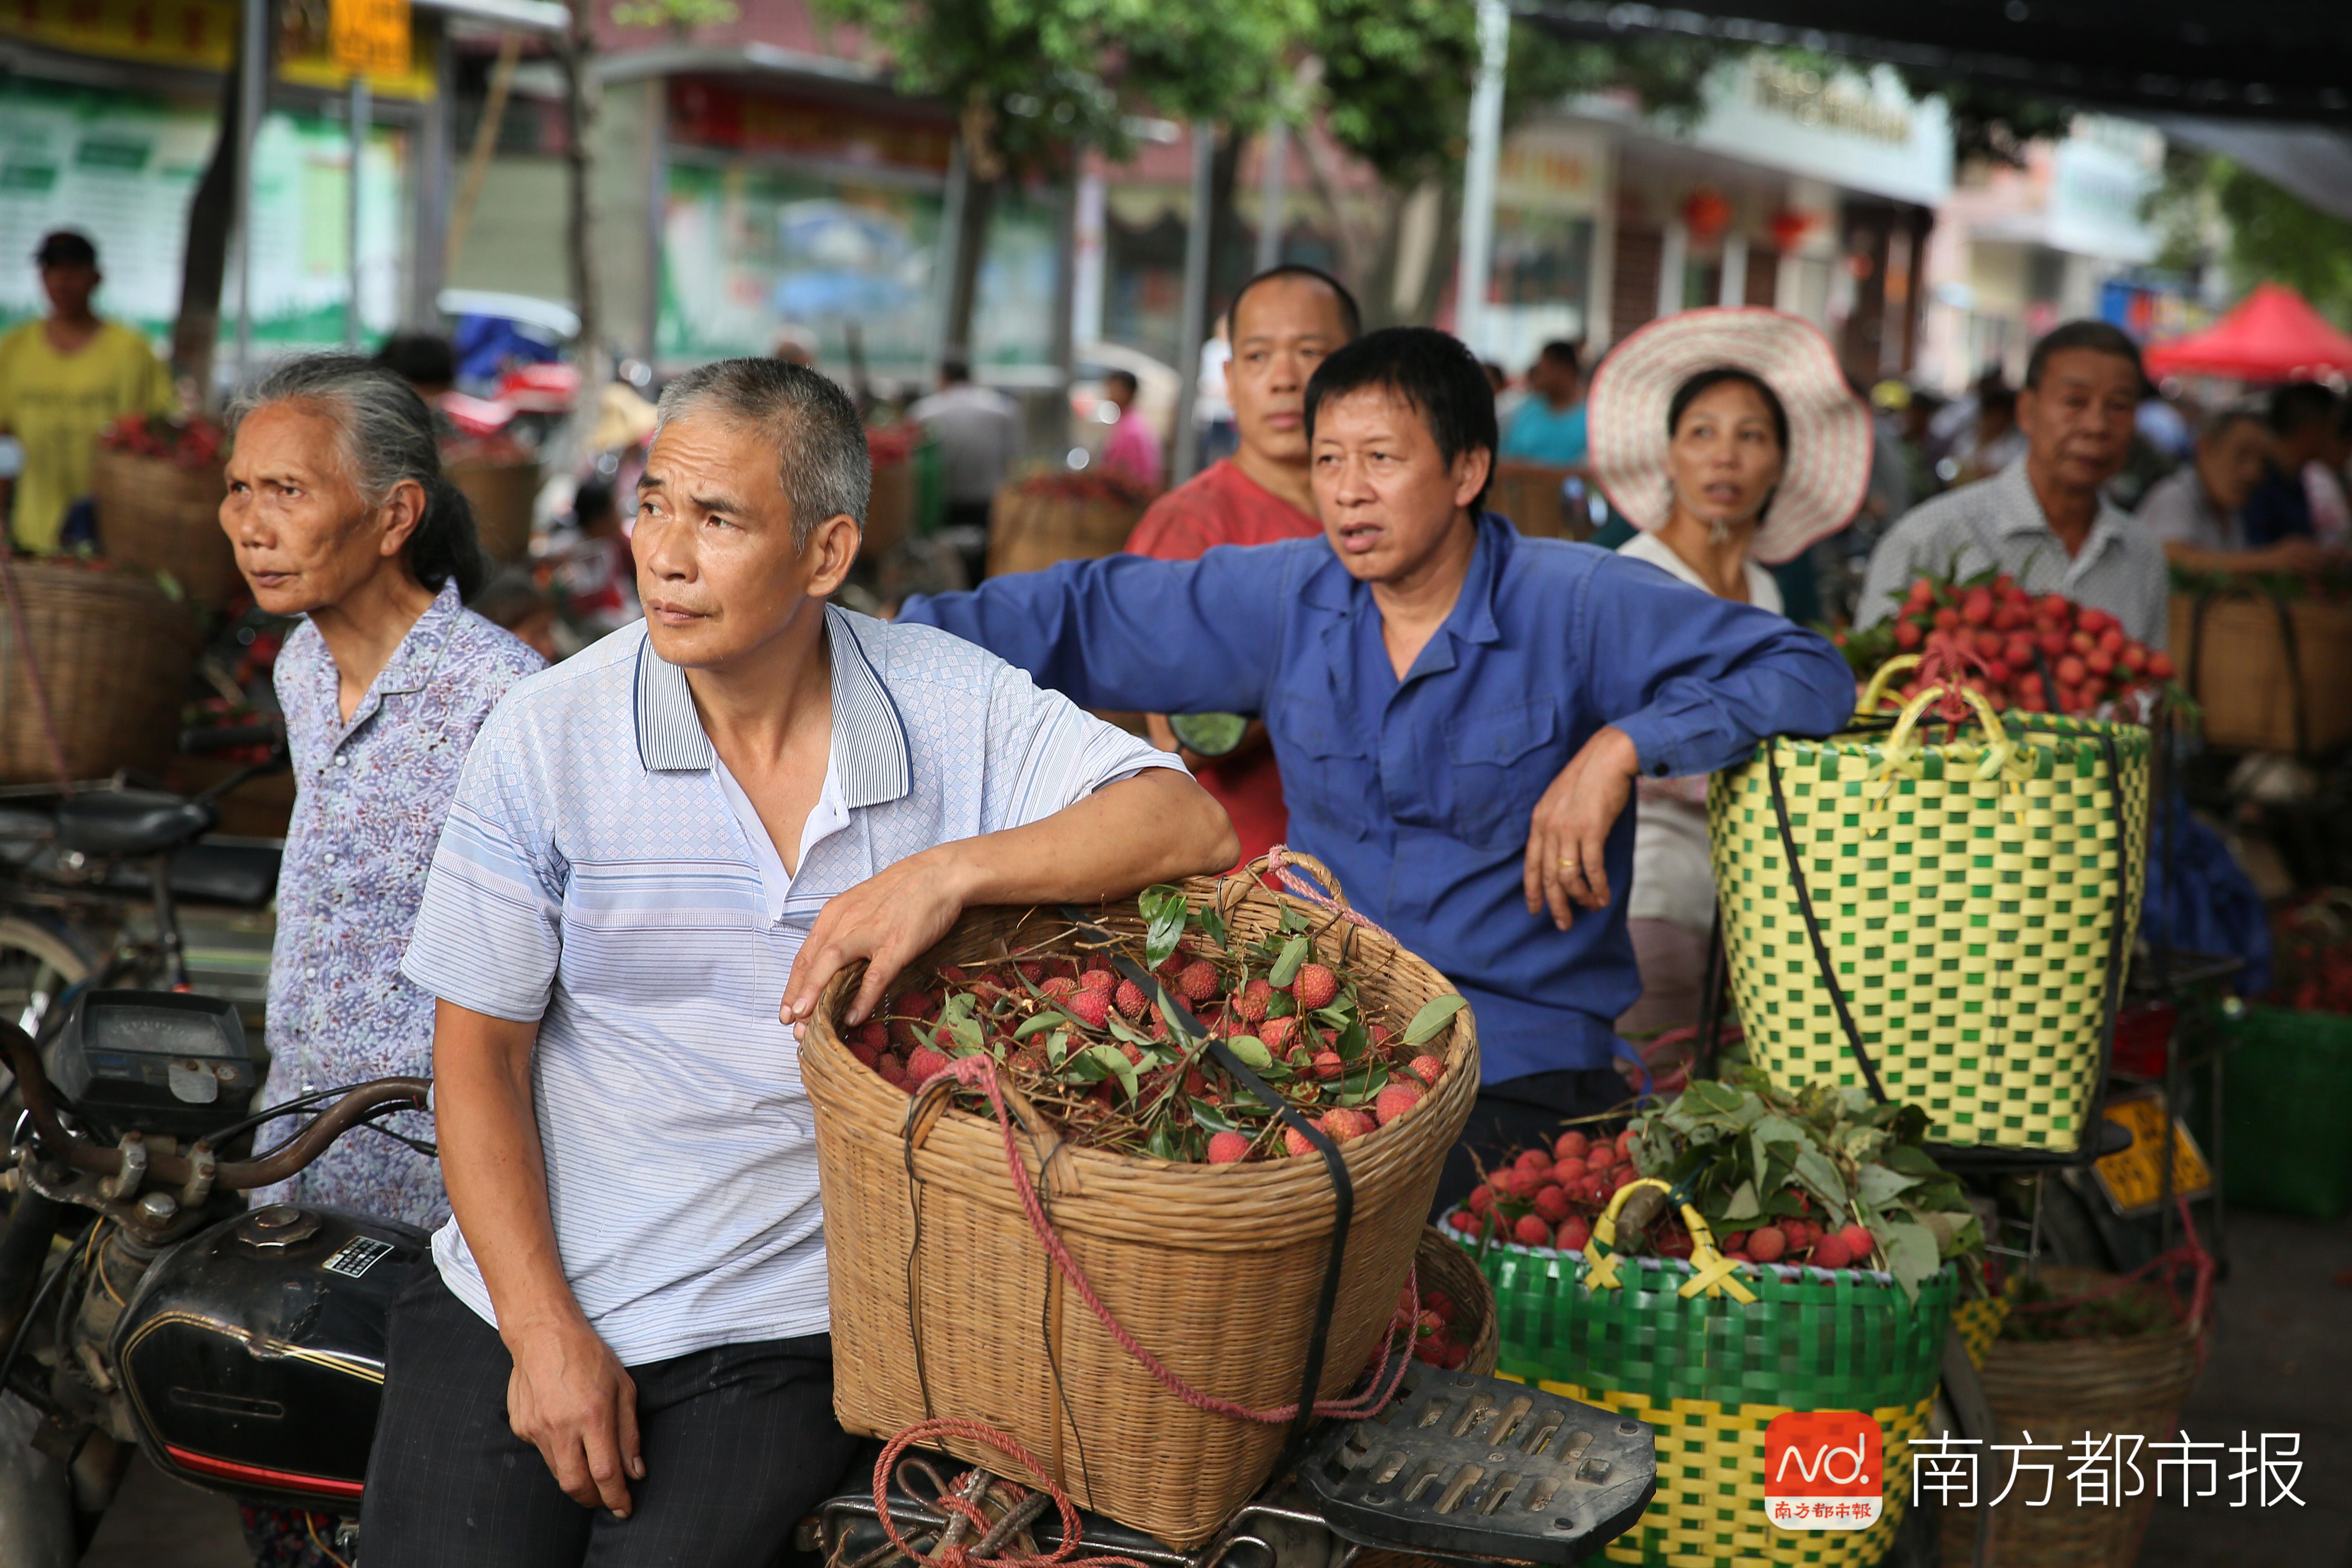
pixel 1379 1034
pixel 1227 1147
pixel 1482 1198
pixel 1033 972
pixel 1600 1156
pixel 1314 986
pixel 1573 1233
pixel 1465 1222
pixel 1767 1244
pixel 1519 1184
pixel 1859 1243
pixel 867 1054
pixel 926 1061
pixel 1251 1003
pixel 1328 1066
pixel 1276 1034
pixel 916 1004
pixel 1088 1007
pixel 1098 980
pixel 1394 1102
pixel 1533 1159
pixel 1129 998
pixel 1429 1070
pixel 1552 1204
pixel 1341 1126
pixel 1198 981
pixel 1572 1169
pixel 1570 1145
pixel 1529 1230
pixel 1830 1252
pixel 1054 985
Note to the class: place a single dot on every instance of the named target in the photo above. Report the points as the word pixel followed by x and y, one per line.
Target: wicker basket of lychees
pixel 1197 1219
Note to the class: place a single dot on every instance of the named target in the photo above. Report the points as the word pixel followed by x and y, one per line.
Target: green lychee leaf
pixel 1743 1203
pixel 1879 1185
pixel 1281 1004
pixel 1115 1062
pixel 1359 1085
pixel 1435 1015
pixel 1210 1117
pixel 1354 1040
pixel 1212 923
pixel 1164 911
pixel 1163 1143
pixel 1121 1029
pixel 1037 1021
pixel 1286 967
pixel 1057 1048
pixel 1251 1050
pixel 1292 920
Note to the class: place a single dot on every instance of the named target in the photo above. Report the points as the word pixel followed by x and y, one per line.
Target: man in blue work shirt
pixel 1459 713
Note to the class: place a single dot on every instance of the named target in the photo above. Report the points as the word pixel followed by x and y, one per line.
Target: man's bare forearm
pixel 1154 828
pixel 491 1162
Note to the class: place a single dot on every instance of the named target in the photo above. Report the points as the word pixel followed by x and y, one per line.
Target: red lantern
pixel 1787 226
pixel 1706 214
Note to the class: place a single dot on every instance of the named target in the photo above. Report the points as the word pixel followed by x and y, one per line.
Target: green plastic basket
pixel 1711 1372
pixel 2287 1114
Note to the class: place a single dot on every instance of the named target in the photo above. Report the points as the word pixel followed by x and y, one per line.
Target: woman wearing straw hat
pixel 1730 438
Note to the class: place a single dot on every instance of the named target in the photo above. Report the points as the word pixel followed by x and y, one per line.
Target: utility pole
pixel 1194 330
pixel 1478 176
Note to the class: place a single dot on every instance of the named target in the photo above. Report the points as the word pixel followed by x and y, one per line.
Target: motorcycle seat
pixel 130 821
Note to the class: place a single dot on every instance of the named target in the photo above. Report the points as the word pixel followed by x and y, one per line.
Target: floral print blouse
pixel 371 798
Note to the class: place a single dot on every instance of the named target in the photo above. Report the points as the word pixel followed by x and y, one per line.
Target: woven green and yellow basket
pixel 1942 919
pixel 1666 1343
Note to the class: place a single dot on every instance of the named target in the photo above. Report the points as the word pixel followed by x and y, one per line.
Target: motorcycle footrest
pixel 1460 1465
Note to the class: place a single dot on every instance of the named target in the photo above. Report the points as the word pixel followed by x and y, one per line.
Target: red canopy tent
pixel 2271 335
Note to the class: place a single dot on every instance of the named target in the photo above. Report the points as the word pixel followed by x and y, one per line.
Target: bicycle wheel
pixel 39 959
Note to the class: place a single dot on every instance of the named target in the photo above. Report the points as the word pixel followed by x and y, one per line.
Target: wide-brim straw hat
pixel 1828 460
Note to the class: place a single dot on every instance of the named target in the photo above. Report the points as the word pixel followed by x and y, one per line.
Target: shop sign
pixel 711 114
pixel 2133 1178
pixel 199 34
pixel 370 36
pixel 1856 131
pixel 1552 169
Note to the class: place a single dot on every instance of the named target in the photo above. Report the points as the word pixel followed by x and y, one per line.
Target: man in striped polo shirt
pixel 621 1357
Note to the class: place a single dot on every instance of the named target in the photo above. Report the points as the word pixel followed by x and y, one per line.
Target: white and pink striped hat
pixel 1829 452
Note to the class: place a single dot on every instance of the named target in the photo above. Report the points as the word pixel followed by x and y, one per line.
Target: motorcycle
pixel 145 1308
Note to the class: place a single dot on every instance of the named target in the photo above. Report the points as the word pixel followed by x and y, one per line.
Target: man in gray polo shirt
pixel 621 1356
pixel 2045 519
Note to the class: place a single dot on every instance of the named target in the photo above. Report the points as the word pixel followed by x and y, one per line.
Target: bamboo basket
pixel 502 496
pixel 2058 1390
pixel 945 1304
pixel 1037 521
pixel 2273 675
pixel 156 516
pixel 1529 494
pixel 1943 920
pixel 114 654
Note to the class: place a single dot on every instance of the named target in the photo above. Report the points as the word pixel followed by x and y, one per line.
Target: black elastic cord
pixel 1343 1191
pixel 1814 926
pixel 1710 1003
pixel 2294 673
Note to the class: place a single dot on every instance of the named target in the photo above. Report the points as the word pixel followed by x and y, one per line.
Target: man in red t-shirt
pixel 1284 322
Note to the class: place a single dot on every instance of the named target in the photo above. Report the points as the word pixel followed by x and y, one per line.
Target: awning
pixel 2271 335
pixel 523 15
pixel 2273 59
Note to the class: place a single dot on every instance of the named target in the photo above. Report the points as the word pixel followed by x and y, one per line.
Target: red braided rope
pixel 1278 865
pixel 958 1556
pixel 979 1072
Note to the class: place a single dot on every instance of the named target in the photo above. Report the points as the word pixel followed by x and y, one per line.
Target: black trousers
pixel 1520 1113
pixel 739 1444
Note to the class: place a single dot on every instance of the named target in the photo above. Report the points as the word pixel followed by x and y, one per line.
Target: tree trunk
pixel 579 126
pixel 204 263
pixel 1229 259
pixel 970 244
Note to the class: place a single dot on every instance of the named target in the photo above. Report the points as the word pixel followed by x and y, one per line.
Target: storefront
pixel 109 110
pixel 2020 250
pixel 1809 192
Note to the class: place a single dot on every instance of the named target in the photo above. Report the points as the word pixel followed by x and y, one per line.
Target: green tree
pixel 1034 82
pixel 2209 209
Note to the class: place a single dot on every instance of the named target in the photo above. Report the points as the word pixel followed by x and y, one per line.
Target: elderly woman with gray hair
pixel 340 515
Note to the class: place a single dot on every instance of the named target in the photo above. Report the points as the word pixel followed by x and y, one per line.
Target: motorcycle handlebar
pixel 178 1170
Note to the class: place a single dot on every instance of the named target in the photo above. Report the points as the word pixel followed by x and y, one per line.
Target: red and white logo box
pixel 1825 1470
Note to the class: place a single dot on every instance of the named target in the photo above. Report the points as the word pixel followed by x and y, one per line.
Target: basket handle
pixel 1280 870
pixel 1711 1272
pixel 1814 925
pixel 931 1102
pixel 1874 693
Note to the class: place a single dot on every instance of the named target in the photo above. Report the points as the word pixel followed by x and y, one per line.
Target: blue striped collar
pixel 869 741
